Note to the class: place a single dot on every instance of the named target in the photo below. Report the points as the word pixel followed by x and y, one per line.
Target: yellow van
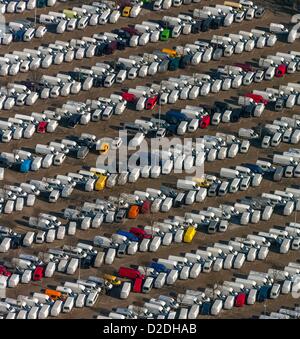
pixel 189 234
pixel 171 52
pixel 70 14
pixel 98 171
pixel 232 4
pixel 201 182
pixel 112 279
pixel 101 182
pixel 126 11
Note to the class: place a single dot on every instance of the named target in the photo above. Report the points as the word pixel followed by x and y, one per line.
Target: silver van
pixel 92 298
pixel 235 185
pixel 148 284
pixel 276 139
pixel 223 190
pixel 245 183
pixel 275 291
pixel 68 305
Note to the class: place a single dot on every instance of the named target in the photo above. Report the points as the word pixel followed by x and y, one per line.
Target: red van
pixel 137 286
pixel 131 273
pixel 128 97
pixel 145 208
pixel 131 30
pixel 204 121
pixel 38 273
pixel 111 47
pixel 4 271
pixel 281 71
pixel 151 102
pixel 41 128
pixel 244 67
pixel 257 98
pixel 140 233
pixel 240 300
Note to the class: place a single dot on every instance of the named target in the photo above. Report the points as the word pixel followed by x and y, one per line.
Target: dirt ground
pixel 18 220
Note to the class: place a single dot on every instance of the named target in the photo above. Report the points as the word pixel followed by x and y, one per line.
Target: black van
pixel 213 190
pixel 179 200
pixel 212 227
pixel 120 215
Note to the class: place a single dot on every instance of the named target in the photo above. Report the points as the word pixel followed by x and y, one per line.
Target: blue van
pixel 25 166
pixel 128 235
pixel 254 168
pixel 160 268
pixel 18 35
pixel 74 120
pixel 206 307
pixel 264 293
pixel 175 117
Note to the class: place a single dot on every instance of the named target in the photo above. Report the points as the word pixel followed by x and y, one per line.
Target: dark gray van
pixel 278 174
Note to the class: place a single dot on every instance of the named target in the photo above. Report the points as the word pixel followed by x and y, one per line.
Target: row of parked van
pixel 63 186
pixel 62 85
pixel 21 30
pixel 148 64
pixel 190 87
pixel 44 56
pixel 282 202
pixel 16 197
pixel 249 248
pixel 97 13
pixel 173 159
pixel 63 299
pixel 196 189
pixel 27 268
pixel 103 75
pixel 178 229
pixel 216 257
pixel 18 6
pixel 24 161
pixel 13 198
pixel 24 126
pixel 285 129
pixel 286 96
pixel 80 17
pixel 264 238
pixel 213 258
pixel 16 94
pixel 55 153
pixel 7 7
pixel 289 160
pixel 256 287
pixel 70 114
pixel 139 239
pixel 46 227
pixel 283 313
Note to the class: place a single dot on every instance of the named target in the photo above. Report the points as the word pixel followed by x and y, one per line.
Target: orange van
pixel 171 52
pixel 54 295
pixel 133 212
